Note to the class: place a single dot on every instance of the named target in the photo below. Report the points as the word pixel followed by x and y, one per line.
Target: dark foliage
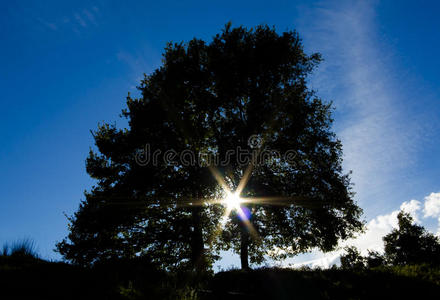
pixel 374 259
pixel 137 279
pixel 385 283
pixel 352 259
pixel 411 244
pixel 25 277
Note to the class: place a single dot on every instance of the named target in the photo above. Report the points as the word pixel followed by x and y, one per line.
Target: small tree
pixel 352 259
pixel 411 244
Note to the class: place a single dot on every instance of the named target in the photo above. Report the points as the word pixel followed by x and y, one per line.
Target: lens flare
pixel 232 201
pixel 245 213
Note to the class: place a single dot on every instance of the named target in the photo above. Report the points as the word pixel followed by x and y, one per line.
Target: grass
pixel 23 248
pixel 29 277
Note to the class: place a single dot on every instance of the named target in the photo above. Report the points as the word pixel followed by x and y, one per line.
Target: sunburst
pixel 232 201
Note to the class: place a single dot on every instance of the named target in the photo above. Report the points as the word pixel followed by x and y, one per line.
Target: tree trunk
pixel 197 245
pixel 244 248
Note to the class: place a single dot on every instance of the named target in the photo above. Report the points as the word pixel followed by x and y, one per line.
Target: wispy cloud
pixel 357 73
pixel 380 141
pixel 77 21
pixel 141 61
pixel 90 16
pixel 48 25
pixel 80 20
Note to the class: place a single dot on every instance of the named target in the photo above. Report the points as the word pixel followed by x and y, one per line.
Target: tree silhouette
pixel 374 259
pixel 352 259
pixel 244 88
pixel 411 244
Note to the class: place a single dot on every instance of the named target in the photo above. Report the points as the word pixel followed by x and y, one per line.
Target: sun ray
pixel 248 224
pixel 221 181
pixel 302 201
pixel 219 227
pixel 245 179
pixel 232 200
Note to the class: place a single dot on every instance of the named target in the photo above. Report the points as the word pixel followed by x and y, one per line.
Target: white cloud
pixel 370 240
pixel 322 262
pixel 412 207
pixel 380 226
pixel 376 229
pixel 432 205
pixel 432 208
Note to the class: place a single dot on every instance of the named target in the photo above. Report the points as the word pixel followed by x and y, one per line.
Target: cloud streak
pixel 76 21
pixel 356 73
pixel 380 143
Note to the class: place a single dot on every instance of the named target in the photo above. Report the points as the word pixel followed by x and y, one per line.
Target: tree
pixel 411 244
pixel 374 259
pixel 352 259
pixel 308 199
pixel 211 98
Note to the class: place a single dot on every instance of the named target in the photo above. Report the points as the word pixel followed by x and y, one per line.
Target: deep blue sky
pixel 64 67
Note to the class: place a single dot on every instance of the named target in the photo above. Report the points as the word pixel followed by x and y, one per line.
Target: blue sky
pixel 67 66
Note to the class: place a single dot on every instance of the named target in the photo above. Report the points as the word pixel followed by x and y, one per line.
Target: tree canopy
pixel 211 98
pixel 411 244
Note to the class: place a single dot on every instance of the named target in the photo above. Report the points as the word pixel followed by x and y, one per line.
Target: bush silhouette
pixel 411 244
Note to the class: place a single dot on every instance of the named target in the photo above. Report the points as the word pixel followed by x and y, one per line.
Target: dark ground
pixel 31 278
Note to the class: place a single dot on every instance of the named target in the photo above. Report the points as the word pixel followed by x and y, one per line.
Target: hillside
pixel 28 277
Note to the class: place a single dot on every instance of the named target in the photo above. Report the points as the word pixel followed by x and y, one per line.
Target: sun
pixel 232 201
